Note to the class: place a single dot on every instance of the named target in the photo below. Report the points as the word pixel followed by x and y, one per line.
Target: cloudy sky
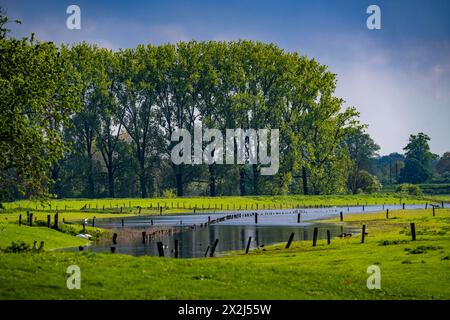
pixel 398 77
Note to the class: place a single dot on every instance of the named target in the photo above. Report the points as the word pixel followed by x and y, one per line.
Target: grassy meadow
pixel 409 269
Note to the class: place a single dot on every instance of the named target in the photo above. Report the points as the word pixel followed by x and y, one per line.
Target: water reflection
pixel 195 236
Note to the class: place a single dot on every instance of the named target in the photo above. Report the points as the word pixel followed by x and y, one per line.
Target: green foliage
pixel 365 182
pixel 443 165
pixel 38 93
pixel 418 160
pixel 17 247
pixel 410 189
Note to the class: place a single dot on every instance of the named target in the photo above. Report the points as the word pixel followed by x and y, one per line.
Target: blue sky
pixel 398 77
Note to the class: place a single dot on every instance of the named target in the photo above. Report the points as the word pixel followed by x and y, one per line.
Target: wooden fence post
pixel 206 252
pixel 123 223
pixel 248 244
pixel 316 231
pixel 387 213
pixel 256 217
pixel 328 237
pixel 144 236
pixel 433 211
pixel 31 220
pixel 413 231
pixel 93 222
pixel 342 216
pixel 298 218
pixel 214 248
pixel 363 233
pixel 288 244
pixel 56 221
pixel 48 221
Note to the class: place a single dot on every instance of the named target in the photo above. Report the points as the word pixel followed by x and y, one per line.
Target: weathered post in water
pixel 206 252
pixel 213 249
pixel 114 241
pixel 144 236
pixel 363 233
pixel 160 249
pixel 123 223
pixel 256 217
pixel 413 231
pixel 248 244
pixel 298 218
pixel 403 206
pixel 291 237
pixel 316 231
pixel 93 222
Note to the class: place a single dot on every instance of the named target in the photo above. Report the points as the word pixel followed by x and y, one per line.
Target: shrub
pixel 411 189
pixel 17 247
pixel 168 193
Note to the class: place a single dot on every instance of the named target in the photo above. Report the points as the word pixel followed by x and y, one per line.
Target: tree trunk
pixel 242 181
pixel 305 181
pixel 256 173
pixel 179 177
pixel 143 178
pixel 111 181
pixel 90 173
pixel 212 180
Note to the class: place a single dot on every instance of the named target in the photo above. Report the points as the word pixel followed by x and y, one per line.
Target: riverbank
pixel 409 269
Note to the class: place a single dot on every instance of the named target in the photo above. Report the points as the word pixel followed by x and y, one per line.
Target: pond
pixel 194 235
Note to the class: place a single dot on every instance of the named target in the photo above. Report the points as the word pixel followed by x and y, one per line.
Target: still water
pixel 273 226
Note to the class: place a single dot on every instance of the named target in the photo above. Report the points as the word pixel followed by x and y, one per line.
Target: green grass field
pixel 177 205
pixel 409 269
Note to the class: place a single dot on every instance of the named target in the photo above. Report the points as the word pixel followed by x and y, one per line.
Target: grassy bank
pixel 52 238
pixel 409 269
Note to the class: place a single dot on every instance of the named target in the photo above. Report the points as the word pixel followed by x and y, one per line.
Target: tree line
pixel 84 121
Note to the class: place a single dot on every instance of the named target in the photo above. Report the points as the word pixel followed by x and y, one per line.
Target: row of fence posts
pixel 30 220
pixel 252 206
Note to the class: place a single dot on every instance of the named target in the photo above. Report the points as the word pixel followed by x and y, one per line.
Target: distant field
pixel 210 203
pixel 78 209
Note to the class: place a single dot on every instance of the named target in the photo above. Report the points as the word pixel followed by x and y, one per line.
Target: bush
pixel 168 193
pixel 18 247
pixel 411 189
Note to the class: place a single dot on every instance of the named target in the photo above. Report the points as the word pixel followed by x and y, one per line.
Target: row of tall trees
pixel 133 99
